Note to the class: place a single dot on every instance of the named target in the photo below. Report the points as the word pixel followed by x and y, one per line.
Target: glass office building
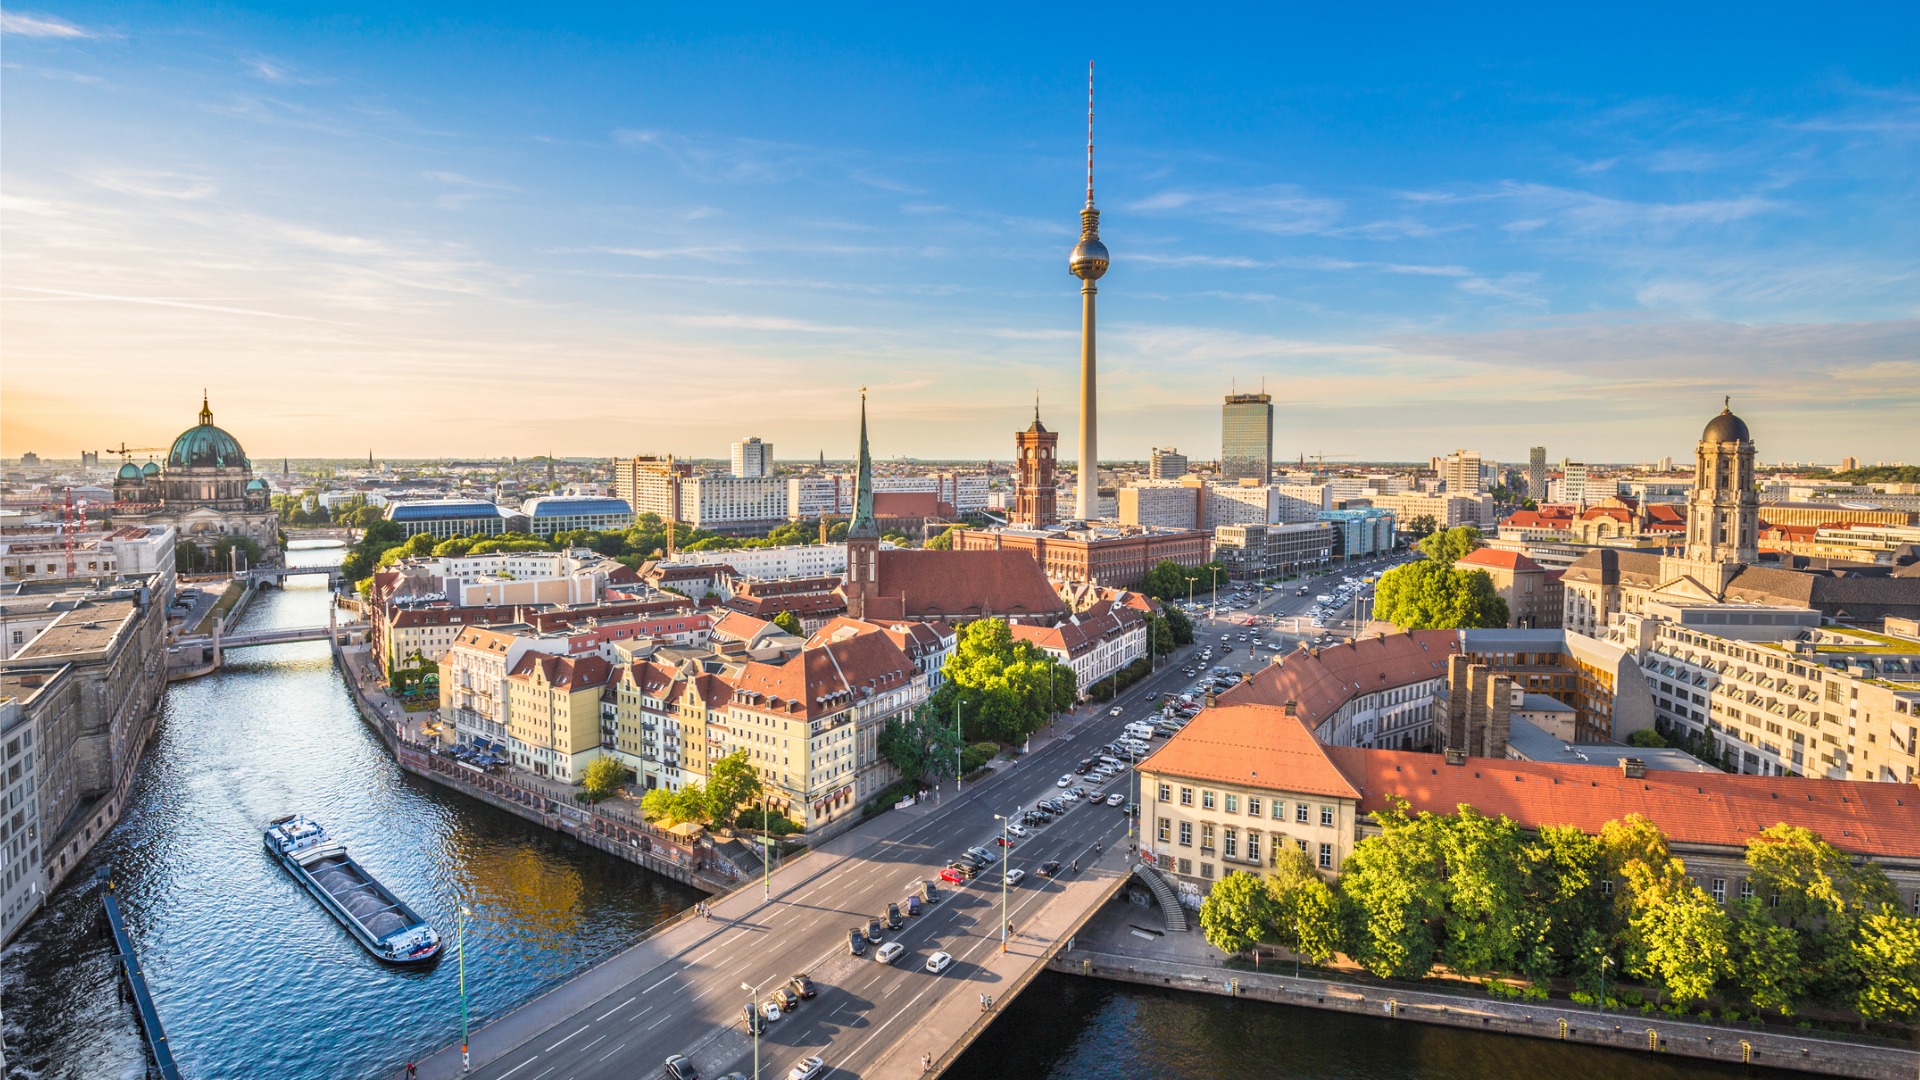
pixel 1246 438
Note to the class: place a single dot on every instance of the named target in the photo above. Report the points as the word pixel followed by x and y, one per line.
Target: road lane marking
pixel 660 1021
pixel 517 1068
pixel 550 1068
pixel 604 1056
pixel 702 956
pixel 615 1009
pixel 593 1044
pixel 556 1046
pixel 660 984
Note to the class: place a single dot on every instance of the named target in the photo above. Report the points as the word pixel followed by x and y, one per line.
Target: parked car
pixel 930 892
pixel 986 855
pixel 1015 877
pixel 786 998
pixel 856 942
pixel 680 1067
pixel 1004 841
pixel 875 932
pixel 939 962
pixel 1065 779
pixel 913 906
pixel 889 952
pixel 802 984
pixel 951 877
pixel 894 919
pixel 807 1069
pixel 1017 830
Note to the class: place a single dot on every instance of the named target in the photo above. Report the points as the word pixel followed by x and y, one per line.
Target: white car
pixel 939 962
pixel 770 1010
pixel 1116 799
pixel 1017 830
pixel 1064 781
pixel 1015 877
pixel 807 1069
pixel 889 952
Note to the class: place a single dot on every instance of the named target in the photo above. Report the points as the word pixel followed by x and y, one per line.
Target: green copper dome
pixel 150 469
pixel 205 446
pixel 129 471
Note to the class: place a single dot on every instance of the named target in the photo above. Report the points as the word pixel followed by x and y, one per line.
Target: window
pixel 1206 870
pixel 1166 830
pixel 1302 843
pixel 1300 813
pixel 1606 886
pixel 1206 838
pixel 1229 844
pixel 1233 804
pixel 1253 805
pixel 1186 834
pixel 1186 867
pixel 1166 793
pixel 1186 796
pixel 1326 856
pixel 1206 800
pixel 1253 855
pixel 1279 810
pixel 1326 816
pixel 1719 890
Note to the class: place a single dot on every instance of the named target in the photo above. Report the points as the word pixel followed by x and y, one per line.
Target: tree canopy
pixel 923 744
pixel 1430 594
pixel 1005 689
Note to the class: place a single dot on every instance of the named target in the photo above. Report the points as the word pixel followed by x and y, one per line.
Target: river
pixel 252 979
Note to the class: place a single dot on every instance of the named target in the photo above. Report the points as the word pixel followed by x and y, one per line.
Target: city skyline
pixel 416 237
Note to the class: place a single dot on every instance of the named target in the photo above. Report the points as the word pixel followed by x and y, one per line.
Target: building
pixel 1376 691
pixel 1241 781
pixel 1599 680
pixel 1094 643
pixel 551 515
pixel 1834 513
pixel 1446 511
pixel 40 553
pixel 1305 502
pixel 1365 532
pixel 1537 473
pixel 1035 487
pixel 1166 463
pixel 445 519
pixel 1460 472
pixel 1118 556
pixel 731 503
pixel 1246 438
pixel 788 561
pixel 752 458
pixel 810 498
pixel 553 713
pixel 651 485
pixel 1573 484
pixel 1245 503
pixel 1532 592
pixel 23 885
pixel 206 492
pixel 1162 504
pixel 1252 552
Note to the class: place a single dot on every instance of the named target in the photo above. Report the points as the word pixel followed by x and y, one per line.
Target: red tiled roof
pixel 826 678
pixel 920 583
pixel 905 504
pixel 1084 631
pixel 1504 560
pixel 1323 681
pixel 570 673
pixel 1251 744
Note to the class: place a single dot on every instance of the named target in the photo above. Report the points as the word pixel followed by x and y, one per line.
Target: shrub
pixel 976 755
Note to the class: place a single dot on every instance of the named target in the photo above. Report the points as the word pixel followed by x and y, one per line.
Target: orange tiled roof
pixel 920 584
pixel 1321 681
pixel 1251 744
pixel 1496 558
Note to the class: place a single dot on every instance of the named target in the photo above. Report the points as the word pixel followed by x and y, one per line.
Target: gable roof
pixel 917 583
pixel 1320 681
pixel 1496 558
pixel 1251 744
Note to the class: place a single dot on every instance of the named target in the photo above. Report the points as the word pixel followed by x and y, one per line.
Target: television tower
pixel 1088 262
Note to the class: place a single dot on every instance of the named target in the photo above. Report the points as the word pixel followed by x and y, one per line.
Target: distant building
pixel 1166 463
pixel 1365 532
pixel 1447 511
pixel 445 519
pixel 1162 505
pixel 1093 643
pixel 1035 488
pixel 1573 484
pixel 752 458
pixel 1532 592
pixel 29 460
pixel 1460 472
pixel 651 485
pixel 1261 551
pixel 206 491
pixel 1118 556
pixel 1849 463
pixel 1246 438
pixel 553 514
pixel 1537 473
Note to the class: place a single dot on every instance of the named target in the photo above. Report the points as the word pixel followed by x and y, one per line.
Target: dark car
pixel 971 859
pixel 913 906
pixel 894 921
pixel 784 997
pixel 755 1022
pixel 963 868
pixel 875 932
pixel 930 892
pixel 1081 769
pixel 680 1067
pixel 802 984
pixel 1050 868
pixel 856 942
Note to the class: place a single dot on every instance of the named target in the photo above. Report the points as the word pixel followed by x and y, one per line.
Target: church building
pixel 206 491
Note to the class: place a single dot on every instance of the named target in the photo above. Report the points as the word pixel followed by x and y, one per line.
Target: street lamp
pixel 959 741
pixel 1133 778
pixel 1214 601
pixel 466 913
pixel 1604 961
pixel 1006 861
pixel 766 852
pixel 759 1020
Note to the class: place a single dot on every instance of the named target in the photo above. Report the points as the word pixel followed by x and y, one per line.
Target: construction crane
pixel 126 451
pixel 1320 459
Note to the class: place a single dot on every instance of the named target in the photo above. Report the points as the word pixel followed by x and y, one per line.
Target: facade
pixel 1166 463
pixel 1537 473
pixel 1035 488
pixel 1460 472
pixel 1447 511
pixel 1365 532
pixel 550 515
pixel 1304 502
pixel 1598 679
pixel 1375 691
pixel 23 886
pixel 1094 643
pixel 40 554
pixel 445 519
pixel 1244 503
pixel 733 503
pixel 1104 555
pixel 1246 438
pixel 1162 504
pixel 810 498
pixel 1723 511
pixel 1240 781
pixel 206 492
pixel 1532 592
pixel 1573 484
pixel 651 485
pixel 553 713
pixel 790 561
pixel 1262 551
pixel 752 458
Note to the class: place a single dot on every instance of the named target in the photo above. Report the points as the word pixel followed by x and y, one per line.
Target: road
pixel 691 1003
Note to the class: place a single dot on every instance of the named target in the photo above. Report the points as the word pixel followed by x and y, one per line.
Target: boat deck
pixel 362 897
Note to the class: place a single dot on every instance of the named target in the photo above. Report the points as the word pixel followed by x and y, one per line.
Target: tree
pixel 1764 961
pixel 789 622
pixel 1159 635
pixel 1885 956
pixel 223 551
pixel 1006 689
pixel 1419 526
pixel 1237 914
pixel 1432 595
pixel 1178 625
pixel 1648 739
pixel 1566 925
pixel 1485 888
pixel 603 776
pixel 1398 898
pixel 922 745
pixel 1814 889
pixel 689 804
pixel 1449 546
pixel 1306 912
pixel 731 782
pixel 944 541
pixel 1683 943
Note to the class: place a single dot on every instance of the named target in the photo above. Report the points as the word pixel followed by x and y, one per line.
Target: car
pixel 770 1010
pixel 1069 798
pixel 966 870
pixel 680 1067
pixel 889 952
pixel 1050 868
pixel 952 877
pixel 930 892
pixel 1066 780
pixel 1077 791
pixel 1057 805
pixel 894 919
pixel 1081 769
pixel 875 932
pixel 913 907
pixel 1004 841
pixel 968 860
pixel 802 984
pixel 856 942
pixel 1116 799
pixel 939 962
pixel 986 855
pixel 786 998
pixel 1015 877
pixel 1017 830
pixel 1115 711
pixel 1153 695
pixel 807 1069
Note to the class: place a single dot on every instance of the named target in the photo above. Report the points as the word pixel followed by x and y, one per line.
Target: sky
pixel 484 229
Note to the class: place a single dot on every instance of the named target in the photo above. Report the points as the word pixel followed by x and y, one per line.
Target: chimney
pixel 1633 768
pixel 1456 756
pixel 1293 709
pixel 1210 697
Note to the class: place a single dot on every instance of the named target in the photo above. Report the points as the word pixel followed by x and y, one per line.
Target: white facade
pixel 1236 505
pixel 1303 502
pixel 1460 471
pixel 752 459
pixel 1385 719
pixel 722 502
pixel 793 561
pixel 40 554
pixel 22 880
pixel 1166 505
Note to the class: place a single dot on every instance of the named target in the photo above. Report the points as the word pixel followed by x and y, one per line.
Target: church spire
pixel 863 525
pixel 206 412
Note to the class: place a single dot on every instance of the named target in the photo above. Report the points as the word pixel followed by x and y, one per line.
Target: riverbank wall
pixel 1644 1034
pixel 693 863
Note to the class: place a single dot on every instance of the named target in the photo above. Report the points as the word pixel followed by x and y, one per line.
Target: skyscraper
pixel 1461 471
pixel 1166 463
pixel 1537 474
pixel 1035 491
pixel 1088 262
pixel 1246 438
pixel 752 458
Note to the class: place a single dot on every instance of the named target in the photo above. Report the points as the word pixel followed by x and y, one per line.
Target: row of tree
pixel 1430 594
pixel 732 786
pixel 996 689
pixel 1482 898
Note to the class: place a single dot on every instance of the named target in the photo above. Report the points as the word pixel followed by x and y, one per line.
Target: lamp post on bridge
pixel 466 1062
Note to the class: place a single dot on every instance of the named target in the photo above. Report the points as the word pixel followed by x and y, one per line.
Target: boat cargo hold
pixel 379 920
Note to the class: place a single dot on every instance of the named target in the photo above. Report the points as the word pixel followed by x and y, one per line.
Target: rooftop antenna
pixel 1089 133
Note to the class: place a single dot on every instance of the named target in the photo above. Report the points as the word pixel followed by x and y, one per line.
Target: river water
pixel 252 979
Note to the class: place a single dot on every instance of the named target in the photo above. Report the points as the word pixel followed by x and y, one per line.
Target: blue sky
pixel 478 229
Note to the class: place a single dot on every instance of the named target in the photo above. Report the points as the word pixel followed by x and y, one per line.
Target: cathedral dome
pixel 150 469
pixel 205 446
pixel 1726 428
pixel 256 484
pixel 129 471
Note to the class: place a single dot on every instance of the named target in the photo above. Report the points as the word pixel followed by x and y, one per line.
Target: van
pixel 1140 731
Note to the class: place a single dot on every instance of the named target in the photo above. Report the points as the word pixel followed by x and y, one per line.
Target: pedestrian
pixel 411 1071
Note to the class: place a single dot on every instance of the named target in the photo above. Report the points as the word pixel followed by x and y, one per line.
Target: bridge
pixel 679 991
pixel 278 575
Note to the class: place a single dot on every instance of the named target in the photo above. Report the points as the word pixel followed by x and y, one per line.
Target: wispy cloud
pixel 152 184
pixel 1278 208
pixel 40 26
pixel 764 322
pixel 55 295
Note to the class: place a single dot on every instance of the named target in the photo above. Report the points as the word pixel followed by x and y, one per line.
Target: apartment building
pixel 1094 643
pixel 1447 511
pixel 751 458
pixel 23 885
pixel 1162 504
pixel 553 713
pixel 1166 463
pixel 1365 532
